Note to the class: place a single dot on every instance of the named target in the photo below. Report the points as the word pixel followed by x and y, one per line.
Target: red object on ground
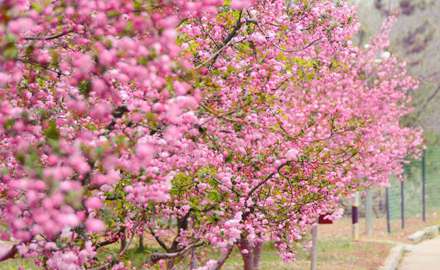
pixel 323 220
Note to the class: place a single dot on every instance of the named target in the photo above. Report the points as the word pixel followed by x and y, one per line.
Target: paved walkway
pixel 424 256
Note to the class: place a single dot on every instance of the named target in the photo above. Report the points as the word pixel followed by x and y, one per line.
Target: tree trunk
pixel 193 259
pixel 247 253
pixel 141 241
pixel 257 255
pixel 123 238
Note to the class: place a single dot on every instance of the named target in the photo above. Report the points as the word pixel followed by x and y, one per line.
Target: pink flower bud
pixel 292 154
pixel 99 86
pixel 94 225
pixel 240 4
pixel 145 152
pixel 93 203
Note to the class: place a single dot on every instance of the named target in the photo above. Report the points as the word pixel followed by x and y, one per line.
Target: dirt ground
pixel 337 251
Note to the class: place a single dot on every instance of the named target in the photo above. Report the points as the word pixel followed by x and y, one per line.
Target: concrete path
pixel 423 256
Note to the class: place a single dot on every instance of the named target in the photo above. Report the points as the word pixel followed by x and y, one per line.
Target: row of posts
pixel 369 212
pixel 369 204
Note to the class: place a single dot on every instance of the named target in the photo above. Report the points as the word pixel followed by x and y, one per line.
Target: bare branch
pixel 156 257
pixel 428 100
pixel 10 254
pixel 51 37
pixel 224 257
pixel 226 42
pixel 265 180
pixel 158 240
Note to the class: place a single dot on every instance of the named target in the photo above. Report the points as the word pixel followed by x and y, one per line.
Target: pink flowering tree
pixel 204 124
pixel 94 102
pixel 295 116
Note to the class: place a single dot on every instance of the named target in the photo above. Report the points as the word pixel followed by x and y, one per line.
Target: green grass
pixel 333 254
pixel 16 263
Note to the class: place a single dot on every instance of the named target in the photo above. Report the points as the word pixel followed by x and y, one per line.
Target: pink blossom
pixel 292 154
pixel 94 225
pixel 145 152
pixel 240 4
pixel 93 203
pixel 99 87
pixel 4 79
pixel 20 25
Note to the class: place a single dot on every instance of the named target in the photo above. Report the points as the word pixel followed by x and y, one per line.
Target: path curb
pixel 427 233
pixel 396 254
pixel 393 259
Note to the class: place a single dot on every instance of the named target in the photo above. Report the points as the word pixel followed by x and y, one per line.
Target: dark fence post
pixel 424 186
pixel 355 216
pixel 387 206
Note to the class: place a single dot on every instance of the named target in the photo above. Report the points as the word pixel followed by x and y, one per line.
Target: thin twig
pixel 155 257
pixel 226 42
pixel 158 240
pixel 255 188
pixel 51 37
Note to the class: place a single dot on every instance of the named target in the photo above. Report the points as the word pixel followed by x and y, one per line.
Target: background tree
pixel 292 106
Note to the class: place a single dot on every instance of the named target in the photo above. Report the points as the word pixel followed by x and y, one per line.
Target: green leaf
pixel 238 127
pixel 120 140
pixel 113 13
pixel 143 61
pixel 194 203
pixel 55 57
pixel 215 196
pixel 229 157
pixel 91 127
pixel 181 184
pixel 10 38
pixel 10 52
pixel 4 171
pixel 32 161
pixel 52 132
pixel 73 198
pixel 37 7
pixel 213 219
pixel 137 5
pixel 85 86
pixel 8 124
pixel 100 151
pixel 128 30
pixel 44 114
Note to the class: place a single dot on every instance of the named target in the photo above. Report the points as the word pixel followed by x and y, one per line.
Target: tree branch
pixel 226 42
pixel 106 243
pixel 156 257
pixel 426 103
pixel 50 37
pixel 265 180
pixel 158 240
pixel 182 223
pixel 224 257
pixel 10 254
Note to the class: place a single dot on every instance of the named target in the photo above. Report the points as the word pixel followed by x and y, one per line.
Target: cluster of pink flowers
pixel 226 124
pixel 71 260
pixel 94 103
